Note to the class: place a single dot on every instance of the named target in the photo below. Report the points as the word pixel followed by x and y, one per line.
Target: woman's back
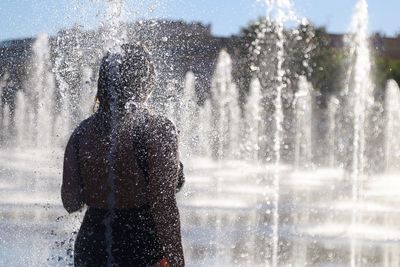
pixel 92 145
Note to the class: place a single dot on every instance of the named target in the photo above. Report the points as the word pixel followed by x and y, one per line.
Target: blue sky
pixel 23 18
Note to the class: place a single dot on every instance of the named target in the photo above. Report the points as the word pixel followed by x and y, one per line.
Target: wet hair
pixel 127 76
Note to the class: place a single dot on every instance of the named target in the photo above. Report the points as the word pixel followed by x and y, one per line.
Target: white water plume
pixel 360 91
pixel 360 84
pixel 392 129
pixel 34 116
pixel 189 118
pixel 43 83
pixel 205 129
pixel 333 106
pixel 234 120
pixel 254 126
pixel 21 120
pixel 303 119
pixel 226 109
pixel 5 127
pixel 62 120
pixel 115 33
pixel 279 12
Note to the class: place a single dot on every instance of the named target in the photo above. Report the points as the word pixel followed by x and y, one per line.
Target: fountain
pixel 188 135
pixel 303 117
pixel 254 127
pixel 226 108
pixel 333 106
pixel 278 13
pixel 6 121
pixel 34 104
pixel 205 129
pixel 243 204
pixel 360 99
pixel 392 142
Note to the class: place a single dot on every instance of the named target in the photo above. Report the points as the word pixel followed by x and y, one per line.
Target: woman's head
pixel 126 76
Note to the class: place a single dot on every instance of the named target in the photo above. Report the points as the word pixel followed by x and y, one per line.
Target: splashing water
pixel 392 129
pixel 230 193
pixel 303 115
pixel 33 105
pixel 361 97
pixel 189 142
pixel 205 129
pixel 333 106
pixel 6 120
pixel 361 85
pixel 278 11
pixel 225 105
pixel 114 39
pixel 115 33
pixel 254 125
pixel 45 88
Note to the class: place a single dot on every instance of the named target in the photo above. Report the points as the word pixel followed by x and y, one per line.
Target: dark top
pixel 85 172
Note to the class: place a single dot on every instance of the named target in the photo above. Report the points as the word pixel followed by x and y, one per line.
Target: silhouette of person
pixel 122 162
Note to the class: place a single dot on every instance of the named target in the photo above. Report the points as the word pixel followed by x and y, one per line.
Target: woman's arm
pixel 71 189
pixel 163 178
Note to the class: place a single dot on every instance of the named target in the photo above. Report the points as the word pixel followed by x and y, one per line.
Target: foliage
pixel 327 64
pixel 307 52
pixel 385 69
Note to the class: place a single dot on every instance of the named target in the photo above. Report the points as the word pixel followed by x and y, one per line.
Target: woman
pixel 122 163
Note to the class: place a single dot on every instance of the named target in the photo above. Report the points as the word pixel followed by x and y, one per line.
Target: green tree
pixel 385 69
pixel 307 52
pixel 327 64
